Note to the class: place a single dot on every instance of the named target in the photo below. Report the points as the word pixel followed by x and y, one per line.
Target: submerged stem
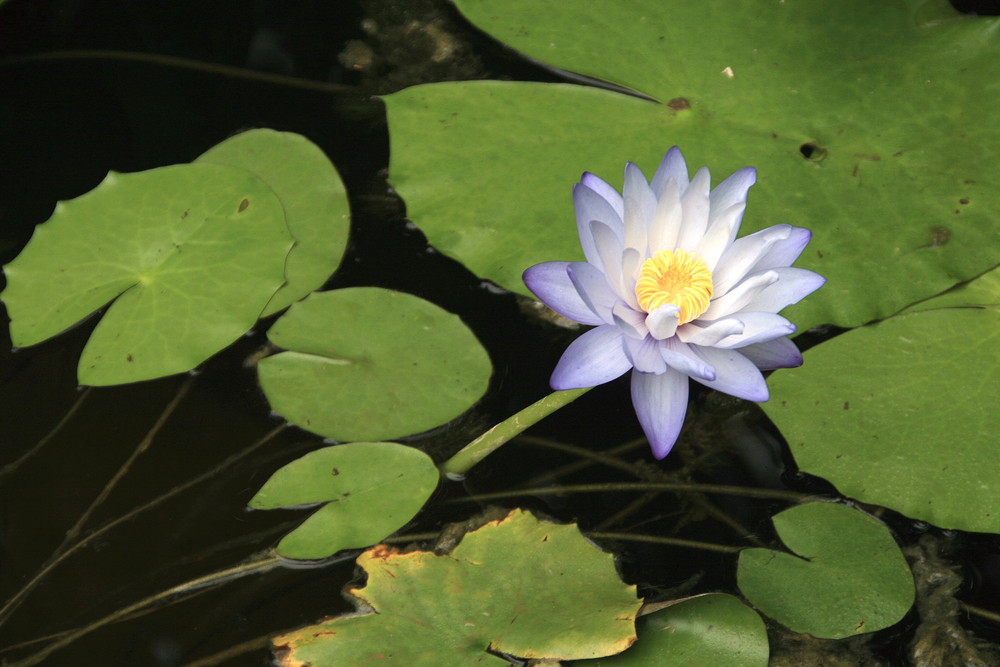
pixel 488 442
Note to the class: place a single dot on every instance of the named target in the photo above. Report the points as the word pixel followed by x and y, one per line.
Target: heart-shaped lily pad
pixel 519 585
pixel 312 194
pixel 848 577
pixel 370 490
pixel 710 629
pixel 365 363
pixel 190 254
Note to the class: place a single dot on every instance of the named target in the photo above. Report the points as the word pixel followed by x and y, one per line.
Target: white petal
pixel 720 235
pixel 645 355
pixel 663 321
pixel 667 219
pixel 745 254
pixel 734 189
pixel 630 322
pixel 785 251
pixel 640 205
pixel 609 248
pixel 594 358
pixel 589 205
pixel 593 289
pixel 777 353
pixel 759 327
pixel 792 286
pixel 682 358
pixel 735 299
pixel 734 374
pixel 601 187
pixel 710 333
pixel 660 404
pixel 694 203
pixel 672 168
pixel 551 283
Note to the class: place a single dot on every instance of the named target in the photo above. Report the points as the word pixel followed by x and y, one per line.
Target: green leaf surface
pixel 891 101
pixel 365 363
pixel 519 585
pixel 190 254
pixel 710 629
pixel 370 490
pixel 312 194
pixel 848 577
pixel 903 413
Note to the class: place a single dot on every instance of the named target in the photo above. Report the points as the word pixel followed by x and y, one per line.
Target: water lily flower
pixel 672 293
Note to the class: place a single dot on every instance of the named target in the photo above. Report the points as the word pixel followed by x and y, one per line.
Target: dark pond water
pixel 178 513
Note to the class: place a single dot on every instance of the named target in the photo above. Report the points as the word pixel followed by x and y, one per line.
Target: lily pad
pixel 710 629
pixel 519 586
pixel 369 491
pixel 312 194
pixel 190 254
pixel 365 363
pixel 856 115
pixel 895 412
pixel 848 576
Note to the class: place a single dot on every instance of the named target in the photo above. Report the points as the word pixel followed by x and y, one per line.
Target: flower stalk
pixel 508 429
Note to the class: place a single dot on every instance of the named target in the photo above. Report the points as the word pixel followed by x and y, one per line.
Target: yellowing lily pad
pixel 366 363
pixel 369 491
pixel 847 576
pixel 312 194
pixel 518 586
pixel 189 254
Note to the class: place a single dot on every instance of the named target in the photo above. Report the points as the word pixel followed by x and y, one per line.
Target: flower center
pixel 678 278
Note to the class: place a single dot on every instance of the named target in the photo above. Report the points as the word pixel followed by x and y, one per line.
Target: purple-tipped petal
pixel 785 251
pixel 590 206
pixel 640 205
pixel 594 358
pixel 758 328
pixel 777 353
pixel 734 189
pixel 601 187
pixel 682 359
pixel 734 374
pixel 645 355
pixel 792 286
pixel 660 404
pixel 745 254
pixel 593 289
pixel 720 235
pixel 550 282
pixel 672 167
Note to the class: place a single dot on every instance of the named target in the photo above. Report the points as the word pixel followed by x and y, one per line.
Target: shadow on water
pixel 178 513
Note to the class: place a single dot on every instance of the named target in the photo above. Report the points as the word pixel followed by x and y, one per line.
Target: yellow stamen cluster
pixel 675 277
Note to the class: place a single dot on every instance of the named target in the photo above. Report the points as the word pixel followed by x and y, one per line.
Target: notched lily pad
pixel 369 491
pixel 313 197
pixel 365 363
pixel 848 577
pixel 190 254
pixel 519 586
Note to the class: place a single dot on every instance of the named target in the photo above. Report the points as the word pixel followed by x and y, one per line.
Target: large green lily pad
pixel 710 629
pixel 519 585
pixel 190 254
pixel 869 123
pixel 848 576
pixel 365 363
pixel 369 491
pixel 903 413
pixel 312 194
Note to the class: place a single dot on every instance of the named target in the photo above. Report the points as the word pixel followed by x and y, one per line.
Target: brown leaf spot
pixel 243 205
